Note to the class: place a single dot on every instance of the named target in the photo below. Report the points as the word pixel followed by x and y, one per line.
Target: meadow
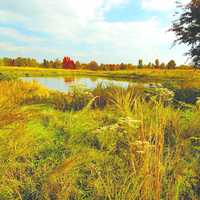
pixel 143 74
pixel 107 143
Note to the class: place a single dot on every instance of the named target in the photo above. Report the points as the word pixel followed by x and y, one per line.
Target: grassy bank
pixel 107 143
pixel 135 74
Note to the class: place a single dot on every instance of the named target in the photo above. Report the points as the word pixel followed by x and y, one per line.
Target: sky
pixel 108 31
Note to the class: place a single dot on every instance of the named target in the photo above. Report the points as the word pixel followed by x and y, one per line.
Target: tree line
pixel 93 65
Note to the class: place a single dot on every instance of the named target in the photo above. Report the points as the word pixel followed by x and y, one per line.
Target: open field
pixel 135 74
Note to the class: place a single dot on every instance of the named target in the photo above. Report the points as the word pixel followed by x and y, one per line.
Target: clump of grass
pixel 7 77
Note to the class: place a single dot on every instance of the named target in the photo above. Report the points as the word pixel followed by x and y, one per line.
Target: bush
pixel 76 99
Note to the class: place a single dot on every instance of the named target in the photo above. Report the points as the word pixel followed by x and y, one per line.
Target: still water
pixel 63 84
pixel 182 92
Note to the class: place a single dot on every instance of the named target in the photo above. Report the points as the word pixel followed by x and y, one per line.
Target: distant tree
pixel 68 63
pixel 1 62
pixel 187 29
pixel 84 66
pixel 110 67
pixel 130 66
pixel 157 63
pixel 171 64
pixel 140 63
pixel 32 62
pixel 20 62
pixel 57 64
pixel 78 65
pixel 162 66
pixel 117 66
pixel 93 65
pixel 13 62
pixel 122 66
pixel 51 64
pixel 149 65
pixel 102 67
pixel 7 61
pixel 45 63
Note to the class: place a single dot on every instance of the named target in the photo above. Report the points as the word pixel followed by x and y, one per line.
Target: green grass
pixel 132 144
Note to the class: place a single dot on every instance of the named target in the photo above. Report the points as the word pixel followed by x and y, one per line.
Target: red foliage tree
pixel 68 63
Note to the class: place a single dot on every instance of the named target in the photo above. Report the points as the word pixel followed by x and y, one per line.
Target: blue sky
pixel 108 31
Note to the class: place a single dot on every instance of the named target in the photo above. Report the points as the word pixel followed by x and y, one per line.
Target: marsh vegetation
pixel 103 143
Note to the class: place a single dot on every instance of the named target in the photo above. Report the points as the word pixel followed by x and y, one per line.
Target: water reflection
pixel 69 80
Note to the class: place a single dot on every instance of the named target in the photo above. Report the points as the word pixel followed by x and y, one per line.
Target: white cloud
pixel 9 47
pixel 132 40
pixel 16 35
pixel 79 28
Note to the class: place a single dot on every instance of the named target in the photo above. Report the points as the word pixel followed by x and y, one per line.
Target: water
pixel 63 84
pixel 187 95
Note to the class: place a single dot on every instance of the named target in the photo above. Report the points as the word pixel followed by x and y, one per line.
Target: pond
pixel 63 84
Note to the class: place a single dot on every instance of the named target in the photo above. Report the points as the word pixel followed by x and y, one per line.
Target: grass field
pixel 135 74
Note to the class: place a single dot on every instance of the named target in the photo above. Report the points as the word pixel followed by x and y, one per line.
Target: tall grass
pixel 109 143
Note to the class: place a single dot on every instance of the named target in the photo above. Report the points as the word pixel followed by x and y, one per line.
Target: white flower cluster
pixel 160 94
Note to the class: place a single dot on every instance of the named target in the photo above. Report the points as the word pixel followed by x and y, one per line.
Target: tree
pixel 102 67
pixel 140 63
pixel 162 65
pixel 93 65
pixel 187 29
pixel 57 64
pixel 149 65
pixel 32 62
pixel 157 63
pixel 45 63
pixel 68 63
pixel 122 66
pixel 1 62
pixel 8 61
pixel 78 65
pixel 171 64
